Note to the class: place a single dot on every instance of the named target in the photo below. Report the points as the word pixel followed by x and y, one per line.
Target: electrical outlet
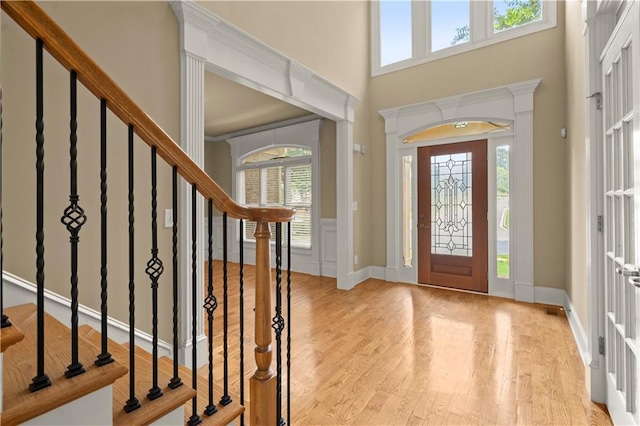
pixel 355 206
pixel 168 218
pixel 355 259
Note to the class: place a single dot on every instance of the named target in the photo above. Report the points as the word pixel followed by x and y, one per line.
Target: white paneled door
pixel 622 212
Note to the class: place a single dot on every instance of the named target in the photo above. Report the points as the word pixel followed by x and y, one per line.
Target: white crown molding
pixel 230 51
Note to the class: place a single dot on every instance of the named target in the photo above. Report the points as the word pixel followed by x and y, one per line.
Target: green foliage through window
pixel 509 14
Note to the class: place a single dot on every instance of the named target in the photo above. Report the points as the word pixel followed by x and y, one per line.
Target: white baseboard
pixel 18 291
pixel 579 335
pixel 524 293
pixel 359 276
pixel 377 272
pixel 391 274
pixel 549 296
pixel 185 355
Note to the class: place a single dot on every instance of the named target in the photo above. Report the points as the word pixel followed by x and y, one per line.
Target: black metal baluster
pixel 41 380
pixel 73 218
pixel 5 319
pixel 175 380
pixel 242 319
pixel 289 323
pixel 105 357
pixel 132 403
pixel 210 304
pixel 278 324
pixel 154 270
pixel 226 399
pixel 195 418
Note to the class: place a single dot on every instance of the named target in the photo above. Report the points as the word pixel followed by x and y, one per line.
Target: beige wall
pixel 331 39
pixel 540 55
pixel 577 260
pixel 137 44
pixel 217 163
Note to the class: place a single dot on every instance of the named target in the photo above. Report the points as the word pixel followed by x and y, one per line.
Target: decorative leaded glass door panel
pixel 452 215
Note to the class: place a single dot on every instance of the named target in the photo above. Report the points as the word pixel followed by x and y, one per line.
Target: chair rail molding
pixel 511 103
pixel 230 52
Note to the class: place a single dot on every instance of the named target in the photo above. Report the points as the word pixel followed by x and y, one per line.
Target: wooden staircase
pixel 48 346
pixel 21 405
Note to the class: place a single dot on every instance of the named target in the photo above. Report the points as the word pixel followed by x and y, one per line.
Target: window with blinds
pixel 279 177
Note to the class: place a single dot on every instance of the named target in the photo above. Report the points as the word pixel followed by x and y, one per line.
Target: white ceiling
pixel 229 107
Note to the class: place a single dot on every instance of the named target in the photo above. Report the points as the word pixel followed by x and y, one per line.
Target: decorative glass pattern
pixel 451 225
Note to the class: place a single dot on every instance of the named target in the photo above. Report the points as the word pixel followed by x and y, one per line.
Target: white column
pixel 192 142
pixel 394 199
pixel 344 221
pixel 523 182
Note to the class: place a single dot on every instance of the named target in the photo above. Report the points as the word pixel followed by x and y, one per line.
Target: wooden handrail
pixel 57 42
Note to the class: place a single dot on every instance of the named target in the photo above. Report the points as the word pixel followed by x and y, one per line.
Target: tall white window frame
pixel 480 28
pixel 305 135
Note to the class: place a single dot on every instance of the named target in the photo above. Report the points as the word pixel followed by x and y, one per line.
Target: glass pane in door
pixel 451 204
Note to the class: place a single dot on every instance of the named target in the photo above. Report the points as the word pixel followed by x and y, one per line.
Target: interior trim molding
pixel 511 103
pixel 230 52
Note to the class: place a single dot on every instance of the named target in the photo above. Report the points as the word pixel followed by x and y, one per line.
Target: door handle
pixel 628 271
pixel 422 226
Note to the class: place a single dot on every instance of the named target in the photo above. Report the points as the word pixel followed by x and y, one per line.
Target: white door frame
pixel 209 42
pixel 513 104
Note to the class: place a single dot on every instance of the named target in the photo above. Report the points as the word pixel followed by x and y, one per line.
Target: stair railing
pixel 266 387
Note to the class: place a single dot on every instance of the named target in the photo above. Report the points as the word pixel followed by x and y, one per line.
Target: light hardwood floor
pixel 386 353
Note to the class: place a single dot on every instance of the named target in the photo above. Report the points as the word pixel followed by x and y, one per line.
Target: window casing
pixel 424 46
pixel 290 153
pixel 279 182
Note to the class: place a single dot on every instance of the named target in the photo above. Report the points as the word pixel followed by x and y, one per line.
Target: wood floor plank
pixel 387 353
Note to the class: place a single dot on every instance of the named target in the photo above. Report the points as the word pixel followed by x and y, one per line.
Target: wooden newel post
pixel 263 382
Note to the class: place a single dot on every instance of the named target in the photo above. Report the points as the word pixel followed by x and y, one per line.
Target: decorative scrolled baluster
pixel 132 402
pixel 41 380
pixel 278 324
pixel 175 380
pixel 226 399
pixel 210 304
pixel 154 270
pixel 74 218
pixel 105 357
pixel 195 418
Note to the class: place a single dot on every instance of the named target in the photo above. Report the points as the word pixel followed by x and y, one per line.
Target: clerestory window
pixel 411 32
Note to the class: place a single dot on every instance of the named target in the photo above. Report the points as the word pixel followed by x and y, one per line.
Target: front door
pixel 622 206
pixel 452 215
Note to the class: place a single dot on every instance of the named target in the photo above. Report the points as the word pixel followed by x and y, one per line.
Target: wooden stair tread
pixel 10 336
pixel 20 404
pixel 149 411
pixel 224 415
